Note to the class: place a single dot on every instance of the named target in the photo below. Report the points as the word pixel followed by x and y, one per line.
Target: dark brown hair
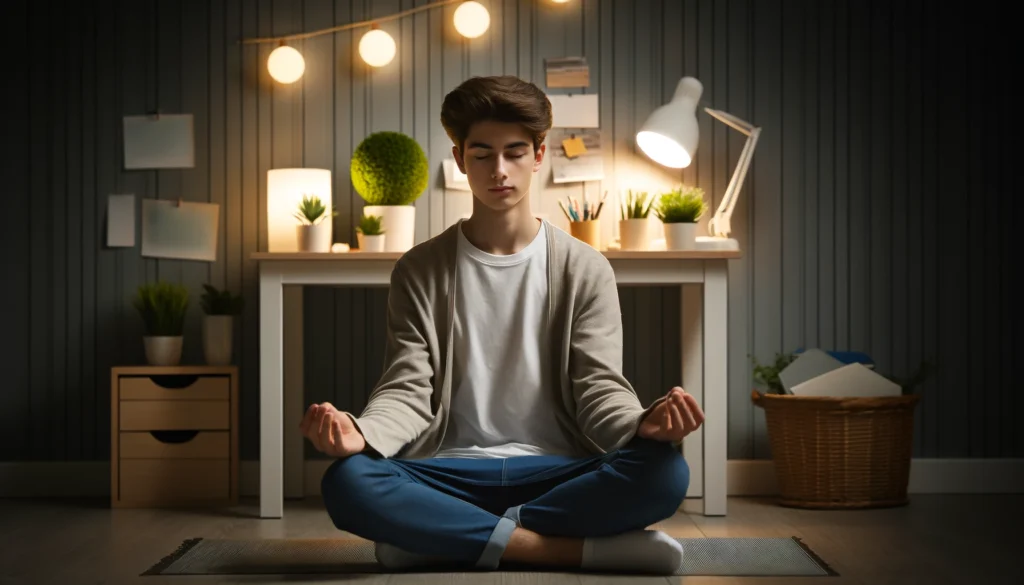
pixel 504 98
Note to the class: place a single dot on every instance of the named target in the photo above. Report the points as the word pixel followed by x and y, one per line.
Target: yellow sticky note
pixel 574 147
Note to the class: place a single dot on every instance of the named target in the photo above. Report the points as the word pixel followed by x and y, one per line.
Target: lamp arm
pixel 719 225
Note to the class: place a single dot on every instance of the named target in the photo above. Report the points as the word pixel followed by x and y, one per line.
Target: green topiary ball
pixel 389 168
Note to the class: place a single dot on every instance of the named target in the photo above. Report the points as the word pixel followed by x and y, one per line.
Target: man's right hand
pixel 331 431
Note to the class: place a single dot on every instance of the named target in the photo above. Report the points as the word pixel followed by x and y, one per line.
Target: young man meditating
pixel 502 430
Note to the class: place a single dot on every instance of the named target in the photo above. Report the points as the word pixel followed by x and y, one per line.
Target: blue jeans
pixel 466 509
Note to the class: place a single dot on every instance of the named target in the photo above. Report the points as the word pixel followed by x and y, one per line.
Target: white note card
pixel 120 221
pixel 575 111
pixel 165 141
pixel 186 231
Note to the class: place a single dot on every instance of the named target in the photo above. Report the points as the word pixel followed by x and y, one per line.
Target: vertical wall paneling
pixel 875 216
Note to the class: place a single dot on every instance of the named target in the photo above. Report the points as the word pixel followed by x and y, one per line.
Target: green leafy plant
pixel 312 210
pixel 681 205
pixel 369 225
pixel 637 205
pixel 162 306
pixel 389 168
pixel 220 302
pixel 767 375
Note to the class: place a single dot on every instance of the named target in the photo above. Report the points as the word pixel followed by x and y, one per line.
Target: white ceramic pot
pixel 398 223
pixel 680 235
pixel 372 243
pixel 217 337
pixel 163 350
pixel 314 238
pixel 634 234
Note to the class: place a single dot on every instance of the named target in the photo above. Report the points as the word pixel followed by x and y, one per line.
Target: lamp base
pixel 717 243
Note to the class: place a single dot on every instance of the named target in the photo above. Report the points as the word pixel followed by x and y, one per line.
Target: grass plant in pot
pixel 370 234
pixel 679 211
pixel 314 229
pixel 634 233
pixel 219 310
pixel 389 171
pixel 162 306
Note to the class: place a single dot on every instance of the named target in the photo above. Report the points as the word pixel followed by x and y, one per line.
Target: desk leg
pixel 692 341
pixel 294 407
pixel 271 396
pixel 716 368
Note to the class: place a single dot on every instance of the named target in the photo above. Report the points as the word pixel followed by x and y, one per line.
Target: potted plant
pixel 389 171
pixel 162 306
pixel 219 308
pixel 679 210
pixel 313 231
pixel 633 226
pixel 370 234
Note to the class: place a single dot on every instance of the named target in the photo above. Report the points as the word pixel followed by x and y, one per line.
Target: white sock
pixel 648 551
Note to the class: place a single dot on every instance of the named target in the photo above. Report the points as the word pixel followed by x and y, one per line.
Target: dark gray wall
pixel 876 216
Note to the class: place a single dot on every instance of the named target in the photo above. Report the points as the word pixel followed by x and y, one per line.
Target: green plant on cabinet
pixel 681 205
pixel 220 302
pixel 163 307
pixel 312 210
pixel 370 225
pixel 637 205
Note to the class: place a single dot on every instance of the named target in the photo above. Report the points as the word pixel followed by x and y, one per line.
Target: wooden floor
pixel 937 540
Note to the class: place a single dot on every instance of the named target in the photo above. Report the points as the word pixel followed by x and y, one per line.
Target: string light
pixel 286 64
pixel 472 19
pixel 376 47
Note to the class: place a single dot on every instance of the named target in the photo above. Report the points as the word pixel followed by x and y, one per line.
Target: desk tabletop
pixel 357 256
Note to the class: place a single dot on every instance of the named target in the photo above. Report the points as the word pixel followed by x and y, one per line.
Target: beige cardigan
pixel 407 412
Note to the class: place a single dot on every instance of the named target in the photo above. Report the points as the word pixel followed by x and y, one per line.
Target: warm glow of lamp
pixel 377 48
pixel 559 1
pixel 670 136
pixel 285 189
pixel 472 19
pixel 286 64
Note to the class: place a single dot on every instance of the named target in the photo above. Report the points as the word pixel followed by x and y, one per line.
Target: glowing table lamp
pixel 285 189
pixel 670 136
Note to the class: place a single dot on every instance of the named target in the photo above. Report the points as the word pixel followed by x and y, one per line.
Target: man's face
pixel 499 162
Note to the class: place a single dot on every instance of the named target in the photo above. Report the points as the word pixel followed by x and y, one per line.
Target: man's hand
pixel 676 416
pixel 331 431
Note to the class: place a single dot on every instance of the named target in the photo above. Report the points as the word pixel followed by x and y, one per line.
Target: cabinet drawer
pixel 172 415
pixel 175 388
pixel 201 445
pixel 174 480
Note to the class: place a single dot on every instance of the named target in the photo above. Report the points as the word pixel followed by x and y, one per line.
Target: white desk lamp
pixel 670 136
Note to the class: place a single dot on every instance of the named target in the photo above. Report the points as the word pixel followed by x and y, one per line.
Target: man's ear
pixel 539 157
pixel 458 159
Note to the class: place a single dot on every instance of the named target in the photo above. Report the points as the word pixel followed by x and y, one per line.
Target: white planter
pixel 217 337
pixel 634 234
pixel 371 243
pixel 680 236
pixel 314 238
pixel 398 223
pixel 163 350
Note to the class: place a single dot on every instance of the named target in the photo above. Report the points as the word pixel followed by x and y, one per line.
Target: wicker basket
pixel 836 453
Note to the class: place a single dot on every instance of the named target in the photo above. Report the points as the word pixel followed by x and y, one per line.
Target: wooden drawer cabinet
pixel 173 436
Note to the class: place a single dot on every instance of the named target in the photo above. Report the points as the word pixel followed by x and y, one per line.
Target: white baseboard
pixel 745 477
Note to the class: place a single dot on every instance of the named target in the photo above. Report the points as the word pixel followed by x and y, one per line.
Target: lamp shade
pixel 670 134
pixel 285 190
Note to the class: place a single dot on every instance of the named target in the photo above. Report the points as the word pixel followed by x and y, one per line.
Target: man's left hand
pixel 674 418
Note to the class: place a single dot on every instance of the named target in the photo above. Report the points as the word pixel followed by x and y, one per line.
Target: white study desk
pixel 702 274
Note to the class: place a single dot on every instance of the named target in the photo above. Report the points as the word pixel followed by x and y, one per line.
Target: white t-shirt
pixel 503 398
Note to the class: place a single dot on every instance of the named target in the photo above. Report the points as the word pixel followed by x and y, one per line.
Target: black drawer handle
pixel 174 437
pixel 174 381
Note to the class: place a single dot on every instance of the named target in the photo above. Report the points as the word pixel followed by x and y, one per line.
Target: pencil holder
pixel 588 231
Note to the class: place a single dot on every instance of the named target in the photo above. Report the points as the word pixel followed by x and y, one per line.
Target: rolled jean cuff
pixel 496 544
pixel 513 514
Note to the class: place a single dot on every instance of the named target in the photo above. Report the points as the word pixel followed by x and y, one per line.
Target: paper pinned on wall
pixel 584 163
pixel 574 111
pixel 185 230
pixel 120 221
pixel 159 142
pixel 454 178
